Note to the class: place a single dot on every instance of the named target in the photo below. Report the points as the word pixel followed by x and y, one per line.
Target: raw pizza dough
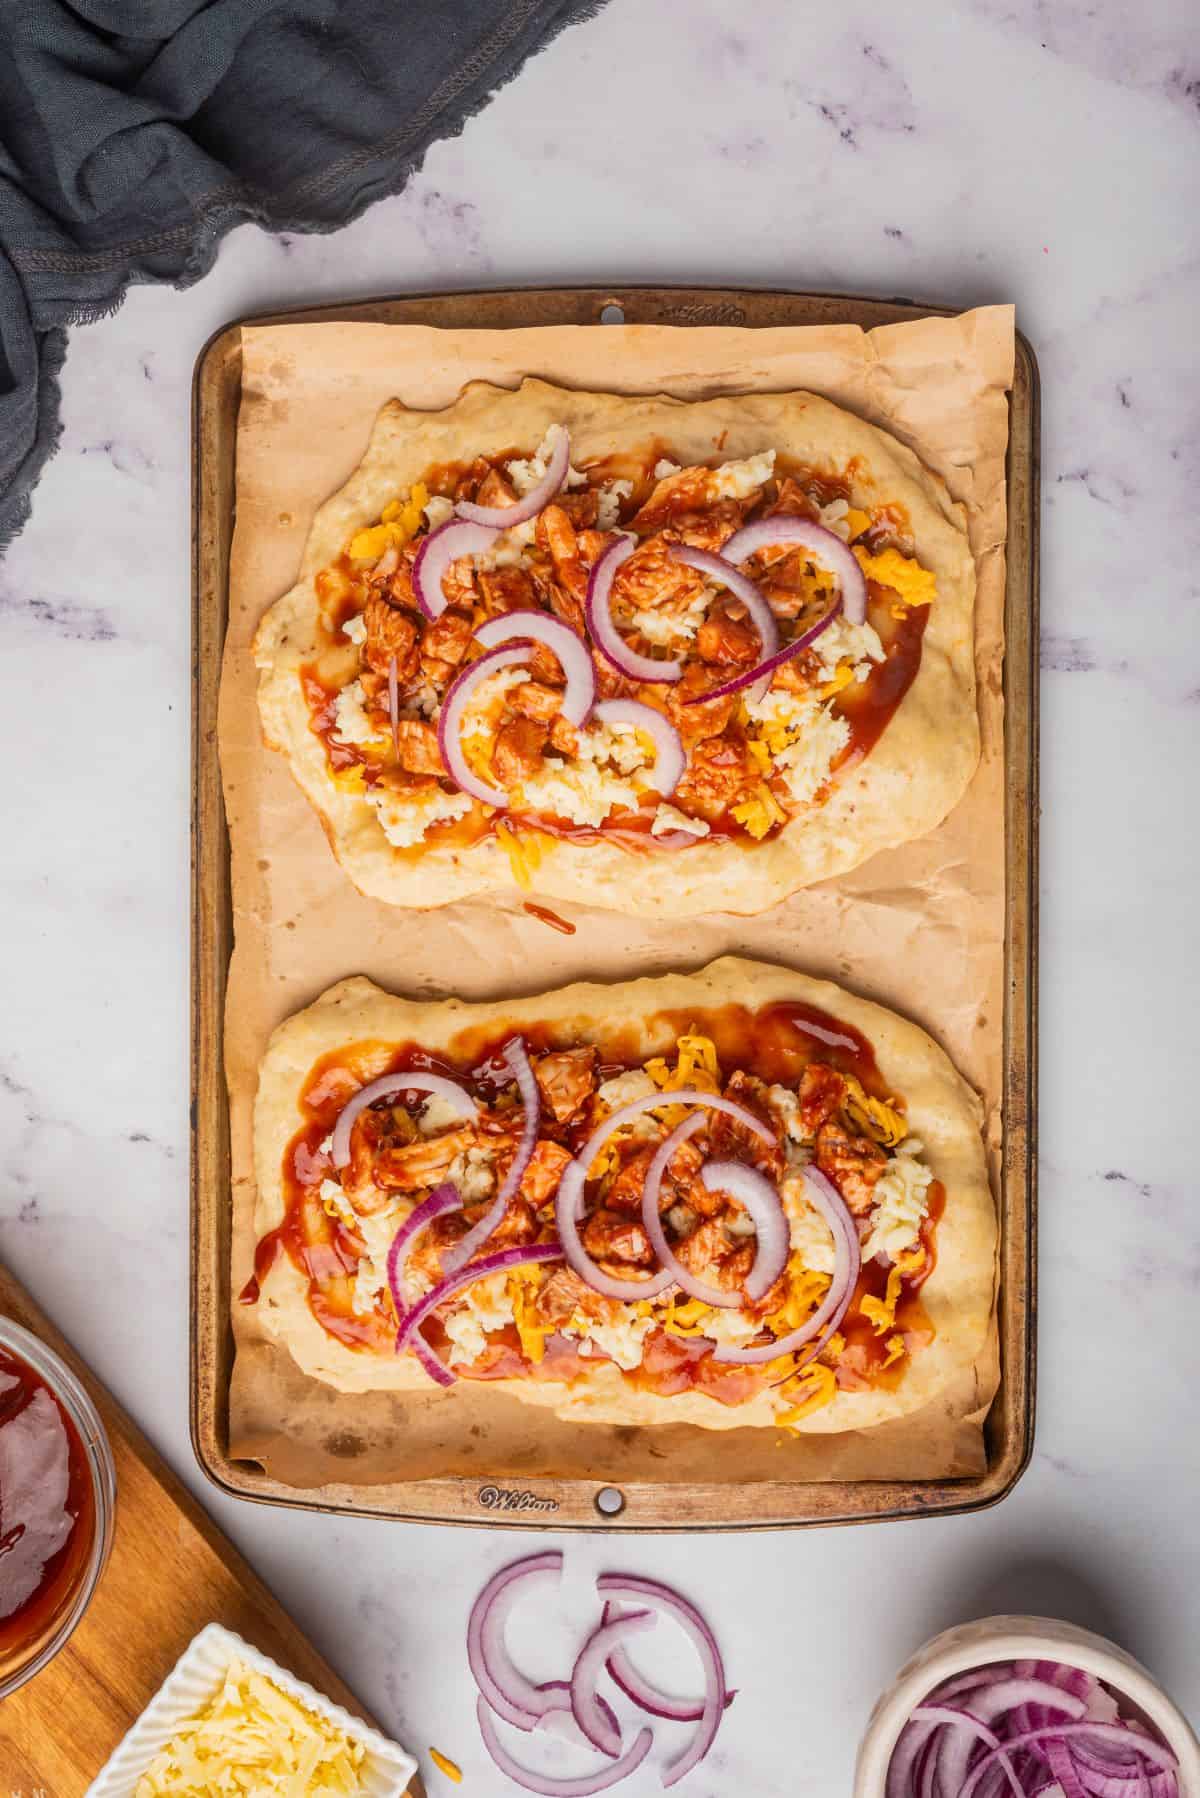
pixel 943 1112
pixel 907 784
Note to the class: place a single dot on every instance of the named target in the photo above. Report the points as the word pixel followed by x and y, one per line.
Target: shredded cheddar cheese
pixel 350 780
pixel 843 678
pixel 916 586
pixel 873 1116
pixel 882 1312
pixel 856 522
pixel 523 1287
pixel 399 521
pixel 806 1289
pixel 761 813
pixel 688 1319
pixel 696 1064
pixel 252 1739
pixel 895 1349
pixel 445 1765
pixel 815 1388
pixel 524 849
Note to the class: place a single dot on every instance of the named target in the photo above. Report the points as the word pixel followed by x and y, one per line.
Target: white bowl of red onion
pixel 1026 1707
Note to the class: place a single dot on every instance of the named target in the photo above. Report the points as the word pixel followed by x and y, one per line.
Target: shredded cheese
pixel 882 1312
pixel 445 1765
pixel 252 1739
pixel 524 849
pixel 873 1116
pixel 400 520
pixel 916 586
pixel 761 813
pixel 815 1388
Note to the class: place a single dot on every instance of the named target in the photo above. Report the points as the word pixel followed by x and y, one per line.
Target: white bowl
pixel 196 1677
pixel 992 1639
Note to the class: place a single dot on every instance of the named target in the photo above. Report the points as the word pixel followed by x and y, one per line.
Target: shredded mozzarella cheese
pixel 405 817
pixel 901 1203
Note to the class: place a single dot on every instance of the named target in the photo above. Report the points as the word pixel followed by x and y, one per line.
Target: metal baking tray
pixel 576 1503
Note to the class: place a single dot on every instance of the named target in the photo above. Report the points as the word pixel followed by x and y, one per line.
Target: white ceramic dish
pixel 197 1675
pixel 1017 1639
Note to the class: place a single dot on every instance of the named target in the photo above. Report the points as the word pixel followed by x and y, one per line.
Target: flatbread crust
pixel 908 783
pixel 942 1109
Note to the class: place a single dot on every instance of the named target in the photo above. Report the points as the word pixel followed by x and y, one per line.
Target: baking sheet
pixel 920 928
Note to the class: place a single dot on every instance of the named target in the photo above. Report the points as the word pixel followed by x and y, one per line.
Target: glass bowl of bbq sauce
pixel 58 1494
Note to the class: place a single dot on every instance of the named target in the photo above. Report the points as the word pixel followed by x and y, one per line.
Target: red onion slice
pixel 571 1189
pixel 908 1765
pixel 517 1061
pixel 534 501
pixel 761 1199
pixel 558 1721
pixel 587 1707
pixel 458 537
pixel 1160 1757
pixel 670 758
pixel 633 1590
pixel 583 1785
pixel 605 635
pixel 442 1199
pixel 503 1685
pixel 1058 1758
pixel 437 1370
pixel 743 588
pixel 394 703
pixel 825 546
pixel 578 668
pixel 648 1698
pixel 458 697
pixel 498 1263
pixel 829 1314
pixel 652 1221
pixel 951 1754
pixel 765 670
pixel 998 1699
pixel 412 1081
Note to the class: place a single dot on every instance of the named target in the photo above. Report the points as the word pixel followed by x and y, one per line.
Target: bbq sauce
pixel 47 1511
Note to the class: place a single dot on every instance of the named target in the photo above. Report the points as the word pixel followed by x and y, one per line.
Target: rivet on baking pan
pixel 612 313
pixel 610 1502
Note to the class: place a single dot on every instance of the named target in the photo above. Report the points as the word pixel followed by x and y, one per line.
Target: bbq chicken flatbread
pixel 734 1197
pixel 660 656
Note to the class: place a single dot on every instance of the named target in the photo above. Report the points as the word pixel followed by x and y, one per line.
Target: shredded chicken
pixel 720 774
pixel 730 1137
pixel 853 1163
pixel 390 633
pixel 445 641
pixel 417 747
pixel 728 640
pixel 425 1162
pixel 544 1172
pixel 611 1236
pixel 567 1081
pixel 517 754
pixel 821 1093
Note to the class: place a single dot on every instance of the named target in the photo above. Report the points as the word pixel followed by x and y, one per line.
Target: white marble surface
pixel 1037 150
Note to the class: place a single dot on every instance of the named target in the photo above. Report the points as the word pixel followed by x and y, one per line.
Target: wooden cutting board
pixel 171 1571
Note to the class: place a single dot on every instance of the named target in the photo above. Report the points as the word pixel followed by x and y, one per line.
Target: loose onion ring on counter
pixel 508 1694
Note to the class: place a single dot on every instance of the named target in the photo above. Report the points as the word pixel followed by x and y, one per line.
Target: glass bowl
pixel 37 1626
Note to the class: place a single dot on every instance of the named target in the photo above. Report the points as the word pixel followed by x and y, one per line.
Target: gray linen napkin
pixel 134 133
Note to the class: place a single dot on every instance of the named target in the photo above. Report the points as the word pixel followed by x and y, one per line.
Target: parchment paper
pixel 918 928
